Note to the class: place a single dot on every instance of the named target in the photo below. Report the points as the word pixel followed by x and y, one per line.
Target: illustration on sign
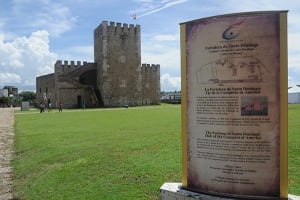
pixel 232 70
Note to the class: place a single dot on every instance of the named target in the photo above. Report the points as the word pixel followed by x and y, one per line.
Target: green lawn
pixel 110 153
pixel 294 148
pixel 101 154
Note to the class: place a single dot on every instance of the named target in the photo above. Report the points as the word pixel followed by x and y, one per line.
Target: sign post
pixel 234 105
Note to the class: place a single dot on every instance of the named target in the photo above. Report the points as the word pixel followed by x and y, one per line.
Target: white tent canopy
pixel 294 94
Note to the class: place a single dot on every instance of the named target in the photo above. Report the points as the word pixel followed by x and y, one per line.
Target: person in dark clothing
pixel 60 107
pixel 42 107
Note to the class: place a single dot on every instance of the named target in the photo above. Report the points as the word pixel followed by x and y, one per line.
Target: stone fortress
pixel 116 77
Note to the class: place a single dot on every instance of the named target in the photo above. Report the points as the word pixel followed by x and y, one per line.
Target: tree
pixel 4 100
pixel 27 96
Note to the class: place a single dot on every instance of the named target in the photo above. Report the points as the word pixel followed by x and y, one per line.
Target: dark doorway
pixel 79 101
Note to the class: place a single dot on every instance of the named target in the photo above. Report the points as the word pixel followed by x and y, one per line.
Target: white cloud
pixel 25 58
pixel 170 83
pixel 166 37
pixel 247 6
pixel 162 49
pixel 77 53
pixel 294 43
pixel 168 59
pixel 52 16
pixel 2 23
pixel 148 7
pixel 57 19
pixel 294 61
pixel 9 78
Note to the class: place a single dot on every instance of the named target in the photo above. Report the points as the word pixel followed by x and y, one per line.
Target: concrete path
pixel 6 152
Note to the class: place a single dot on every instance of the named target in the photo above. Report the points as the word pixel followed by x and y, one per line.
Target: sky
pixel 36 33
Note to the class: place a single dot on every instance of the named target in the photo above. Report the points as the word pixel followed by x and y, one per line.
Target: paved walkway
pixel 6 152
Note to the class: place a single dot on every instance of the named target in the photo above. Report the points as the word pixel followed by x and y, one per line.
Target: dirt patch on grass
pixel 6 152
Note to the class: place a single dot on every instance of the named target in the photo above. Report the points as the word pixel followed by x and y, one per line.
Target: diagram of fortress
pixel 232 70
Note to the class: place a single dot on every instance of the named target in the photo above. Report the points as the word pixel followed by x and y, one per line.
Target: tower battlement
pixel 66 66
pixel 119 27
pixel 150 67
pixel 71 63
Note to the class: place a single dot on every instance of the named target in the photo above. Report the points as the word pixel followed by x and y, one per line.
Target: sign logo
pixel 233 31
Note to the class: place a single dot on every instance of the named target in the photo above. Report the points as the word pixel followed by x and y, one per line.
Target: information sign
pixel 234 104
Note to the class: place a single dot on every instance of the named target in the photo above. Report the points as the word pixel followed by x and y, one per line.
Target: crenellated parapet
pixel 150 67
pixel 116 28
pixel 119 27
pixel 68 66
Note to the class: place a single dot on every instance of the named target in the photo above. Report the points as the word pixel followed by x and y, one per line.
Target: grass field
pixel 109 154
pixel 294 148
pixel 101 154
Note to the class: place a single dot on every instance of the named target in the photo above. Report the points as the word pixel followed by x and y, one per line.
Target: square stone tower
pixel 117 54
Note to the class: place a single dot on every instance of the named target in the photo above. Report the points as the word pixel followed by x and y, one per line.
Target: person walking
pixel 42 107
pixel 60 107
pixel 49 105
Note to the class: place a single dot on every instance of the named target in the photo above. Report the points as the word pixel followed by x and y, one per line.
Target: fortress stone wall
pixel 116 78
pixel 150 84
